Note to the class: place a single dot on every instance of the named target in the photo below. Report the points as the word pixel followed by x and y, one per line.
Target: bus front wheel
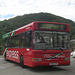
pixel 21 62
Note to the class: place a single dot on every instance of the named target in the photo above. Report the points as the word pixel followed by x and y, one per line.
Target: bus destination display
pixel 52 26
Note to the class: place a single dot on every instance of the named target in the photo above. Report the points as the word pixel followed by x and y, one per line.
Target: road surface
pixel 11 68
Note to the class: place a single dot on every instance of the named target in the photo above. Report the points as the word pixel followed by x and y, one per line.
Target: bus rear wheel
pixel 21 62
pixel 5 57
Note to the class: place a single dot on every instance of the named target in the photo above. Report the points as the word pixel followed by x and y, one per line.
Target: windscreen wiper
pixel 61 49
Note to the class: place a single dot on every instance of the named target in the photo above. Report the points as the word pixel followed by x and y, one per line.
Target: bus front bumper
pixel 51 63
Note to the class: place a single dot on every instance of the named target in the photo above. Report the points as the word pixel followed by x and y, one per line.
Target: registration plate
pixel 53 64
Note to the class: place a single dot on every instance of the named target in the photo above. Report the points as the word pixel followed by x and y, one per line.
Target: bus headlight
pixel 36 59
pixel 67 58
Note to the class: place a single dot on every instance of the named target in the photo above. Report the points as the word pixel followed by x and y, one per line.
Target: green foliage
pixel 19 21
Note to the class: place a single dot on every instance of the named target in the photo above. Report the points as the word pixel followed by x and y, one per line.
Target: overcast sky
pixel 12 8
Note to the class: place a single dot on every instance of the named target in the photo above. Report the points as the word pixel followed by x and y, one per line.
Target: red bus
pixel 38 44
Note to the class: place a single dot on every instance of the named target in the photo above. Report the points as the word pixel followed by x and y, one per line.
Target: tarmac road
pixel 11 68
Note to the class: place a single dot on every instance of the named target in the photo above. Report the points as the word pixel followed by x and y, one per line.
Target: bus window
pixel 37 37
pixel 60 41
pixel 22 40
pixel 28 39
pixel 12 42
pixel 42 40
pixel 6 42
pixel 66 41
pixel 51 40
pixel 17 41
pixel 55 40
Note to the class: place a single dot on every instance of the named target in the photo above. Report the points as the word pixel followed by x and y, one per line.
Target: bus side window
pixel 6 42
pixel 12 42
pixel 22 40
pixel 28 39
pixel 17 42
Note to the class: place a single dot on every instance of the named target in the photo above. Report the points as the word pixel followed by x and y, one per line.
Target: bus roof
pixel 13 32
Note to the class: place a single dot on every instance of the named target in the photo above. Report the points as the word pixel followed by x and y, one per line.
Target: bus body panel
pixel 15 53
pixel 28 55
pixel 46 55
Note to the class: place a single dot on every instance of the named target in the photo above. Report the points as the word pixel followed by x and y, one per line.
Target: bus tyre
pixel 5 57
pixel 21 62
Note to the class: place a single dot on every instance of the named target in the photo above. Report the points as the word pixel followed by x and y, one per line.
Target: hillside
pixel 19 21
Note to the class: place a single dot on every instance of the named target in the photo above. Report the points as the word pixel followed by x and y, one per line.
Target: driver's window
pixel 37 37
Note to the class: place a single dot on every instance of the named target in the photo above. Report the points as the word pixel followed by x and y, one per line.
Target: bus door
pixel 28 45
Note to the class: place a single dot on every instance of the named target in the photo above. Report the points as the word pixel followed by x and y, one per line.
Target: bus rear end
pixel 51 44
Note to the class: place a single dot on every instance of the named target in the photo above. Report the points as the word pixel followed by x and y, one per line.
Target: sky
pixel 12 8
